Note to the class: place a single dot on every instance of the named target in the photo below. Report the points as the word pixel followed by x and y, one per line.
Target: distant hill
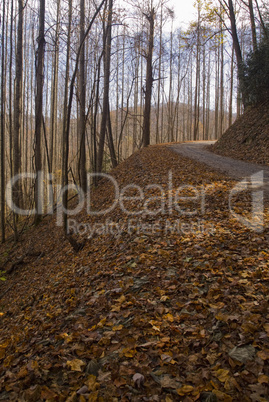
pixel 248 137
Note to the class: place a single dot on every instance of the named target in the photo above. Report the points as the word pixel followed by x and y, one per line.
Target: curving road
pixel 231 167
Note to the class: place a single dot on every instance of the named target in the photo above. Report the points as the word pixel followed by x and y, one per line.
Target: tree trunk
pixel 107 56
pixel 54 91
pixel 231 90
pixel 39 104
pixel 82 101
pixel 17 196
pixel 197 83
pixel 65 138
pixel 67 115
pixel 149 80
pixel 2 124
pixel 237 47
pixel 253 27
pixel 110 141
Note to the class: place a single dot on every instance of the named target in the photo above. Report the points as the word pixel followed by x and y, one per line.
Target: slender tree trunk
pixel 204 92
pixel 65 138
pixel 2 123
pixel 221 82
pixel 231 90
pixel 159 78
pixel 67 115
pixel 208 96
pixel 39 104
pixel 197 83
pixel 10 101
pixel 237 47
pixel 264 28
pixel 82 102
pixel 217 62
pixel 190 115
pixel 107 56
pixel 253 26
pixel 54 92
pixel 170 134
pixel 149 80
pixel 95 119
pixel 136 86
pixel 17 196
pixel 110 141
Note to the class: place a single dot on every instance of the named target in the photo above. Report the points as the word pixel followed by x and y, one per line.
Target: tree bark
pixel 39 104
pixel 107 57
pixel 237 47
pixel 17 196
pixel 82 102
pixel 54 92
pixel 2 124
pixel 149 80
pixel 253 27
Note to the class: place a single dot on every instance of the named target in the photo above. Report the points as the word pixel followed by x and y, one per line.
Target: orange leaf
pixel 264 354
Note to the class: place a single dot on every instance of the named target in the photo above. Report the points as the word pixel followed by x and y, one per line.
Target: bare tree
pixel 67 117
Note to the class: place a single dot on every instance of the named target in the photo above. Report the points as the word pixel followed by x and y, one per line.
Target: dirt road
pixel 232 167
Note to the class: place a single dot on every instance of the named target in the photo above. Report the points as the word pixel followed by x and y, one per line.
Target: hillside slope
pixel 248 137
pixel 168 306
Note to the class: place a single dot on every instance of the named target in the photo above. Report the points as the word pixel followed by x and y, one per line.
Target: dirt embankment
pixel 248 138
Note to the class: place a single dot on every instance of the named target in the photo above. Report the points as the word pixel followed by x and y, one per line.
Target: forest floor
pixel 170 305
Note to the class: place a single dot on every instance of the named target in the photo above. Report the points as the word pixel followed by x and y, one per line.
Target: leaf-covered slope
pixel 248 137
pixel 170 308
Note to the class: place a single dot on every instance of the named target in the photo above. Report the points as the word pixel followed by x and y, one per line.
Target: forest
pixel 134 188
pixel 85 85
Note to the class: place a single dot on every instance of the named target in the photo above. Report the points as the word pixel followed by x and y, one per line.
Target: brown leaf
pixel 75 365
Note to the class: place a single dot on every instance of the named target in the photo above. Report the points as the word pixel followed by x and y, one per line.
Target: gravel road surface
pixel 233 168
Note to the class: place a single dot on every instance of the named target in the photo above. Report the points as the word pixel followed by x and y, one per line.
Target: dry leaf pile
pixel 153 313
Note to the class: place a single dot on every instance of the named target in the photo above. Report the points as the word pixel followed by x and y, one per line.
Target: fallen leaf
pixel 221 374
pixel 93 396
pixel 243 353
pixel 185 389
pixel 263 379
pixel 119 382
pixel 75 365
pixel 91 383
pixel 263 354
pixel 167 382
pixel 117 328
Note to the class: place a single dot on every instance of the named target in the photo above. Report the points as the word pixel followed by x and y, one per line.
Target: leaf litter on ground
pixel 165 310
